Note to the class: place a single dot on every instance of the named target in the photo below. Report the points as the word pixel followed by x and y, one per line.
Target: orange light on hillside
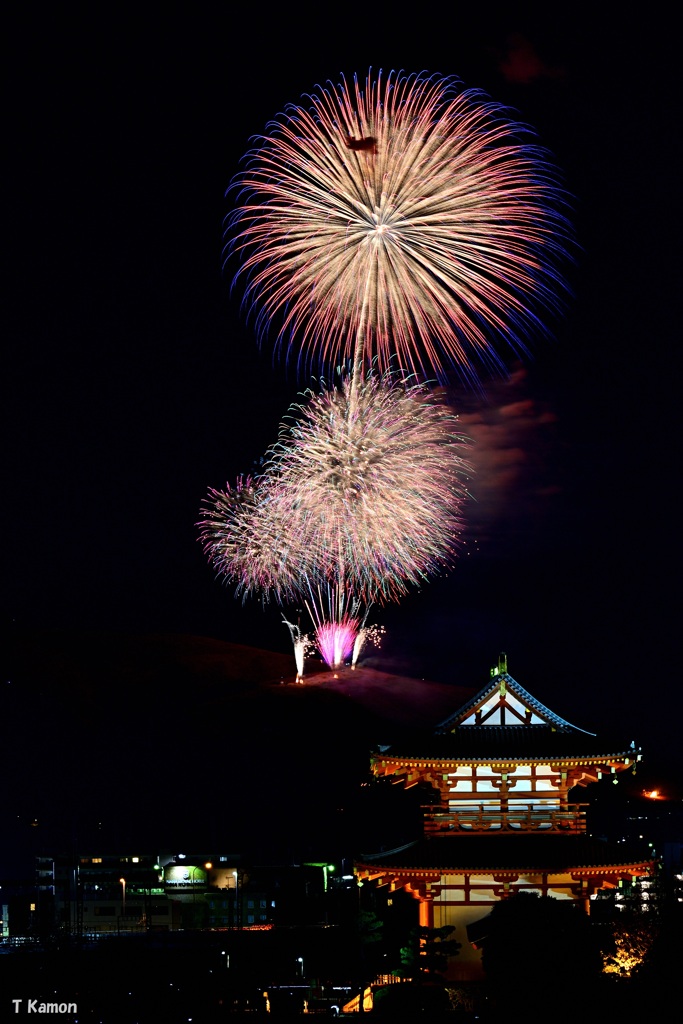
pixel 653 794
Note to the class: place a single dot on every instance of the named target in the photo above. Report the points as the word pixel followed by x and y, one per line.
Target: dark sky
pixel 132 382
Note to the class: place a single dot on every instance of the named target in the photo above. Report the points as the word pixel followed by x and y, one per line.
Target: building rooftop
pixel 555 854
pixel 490 742
pixel 503 721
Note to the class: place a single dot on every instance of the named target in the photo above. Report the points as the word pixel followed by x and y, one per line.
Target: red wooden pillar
pixel 426 912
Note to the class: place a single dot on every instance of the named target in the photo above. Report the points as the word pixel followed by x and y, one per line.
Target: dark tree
pixel 428 951
pixel 540 956
pixel 423 959
pixel 370 934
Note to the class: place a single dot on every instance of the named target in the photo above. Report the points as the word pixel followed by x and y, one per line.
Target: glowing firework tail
pixel 302 647
pixel 404 217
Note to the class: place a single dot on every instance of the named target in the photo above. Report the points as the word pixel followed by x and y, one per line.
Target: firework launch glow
pixel 303 645
pixel 406 217
pixel 336 640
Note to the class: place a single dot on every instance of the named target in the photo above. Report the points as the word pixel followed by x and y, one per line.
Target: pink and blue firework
pixel 406 218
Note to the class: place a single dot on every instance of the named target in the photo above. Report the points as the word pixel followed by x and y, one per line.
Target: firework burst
pixel 408 218
pixel 246 542
pixel 360 498
pixel 371 478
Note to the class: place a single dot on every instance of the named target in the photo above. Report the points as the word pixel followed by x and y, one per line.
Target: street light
pixel 193 885
pixel 237 915
pixel 123 898
pixel 327 869
pixel 300 960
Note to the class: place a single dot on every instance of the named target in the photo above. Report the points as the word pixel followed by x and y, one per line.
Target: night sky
pixel 132 381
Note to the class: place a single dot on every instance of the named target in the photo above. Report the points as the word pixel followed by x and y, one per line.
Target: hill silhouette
pixel 167 740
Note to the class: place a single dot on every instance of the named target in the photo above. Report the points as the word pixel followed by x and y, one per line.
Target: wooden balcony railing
pixel 440 821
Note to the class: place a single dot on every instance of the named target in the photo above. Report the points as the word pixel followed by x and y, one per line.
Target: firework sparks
pixel 247 544
pixel 366 635
pixel 410 218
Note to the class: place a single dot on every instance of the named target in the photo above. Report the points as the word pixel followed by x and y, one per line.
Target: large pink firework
pixel 407 218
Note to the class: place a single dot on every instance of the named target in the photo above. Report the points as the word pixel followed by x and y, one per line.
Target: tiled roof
pixel 509 853
pixel 514 687
pixel 487 742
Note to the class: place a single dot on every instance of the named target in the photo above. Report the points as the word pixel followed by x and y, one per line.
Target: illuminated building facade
pixel 501 769
pixel 110 893
pixel 102 894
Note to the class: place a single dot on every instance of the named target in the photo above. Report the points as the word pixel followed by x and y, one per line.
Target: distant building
pixel 103 894
pixel 502 768
pixel 110 893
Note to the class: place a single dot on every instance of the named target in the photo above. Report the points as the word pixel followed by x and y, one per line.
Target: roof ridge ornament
pixel 502 666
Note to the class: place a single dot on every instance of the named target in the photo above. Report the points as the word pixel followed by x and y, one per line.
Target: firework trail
pixel 408 218
pixel 302 646
pixel 337 619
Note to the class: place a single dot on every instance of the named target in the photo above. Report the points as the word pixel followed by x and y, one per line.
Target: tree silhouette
pixel 539 956
pixel 370 934
pixel 428 951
